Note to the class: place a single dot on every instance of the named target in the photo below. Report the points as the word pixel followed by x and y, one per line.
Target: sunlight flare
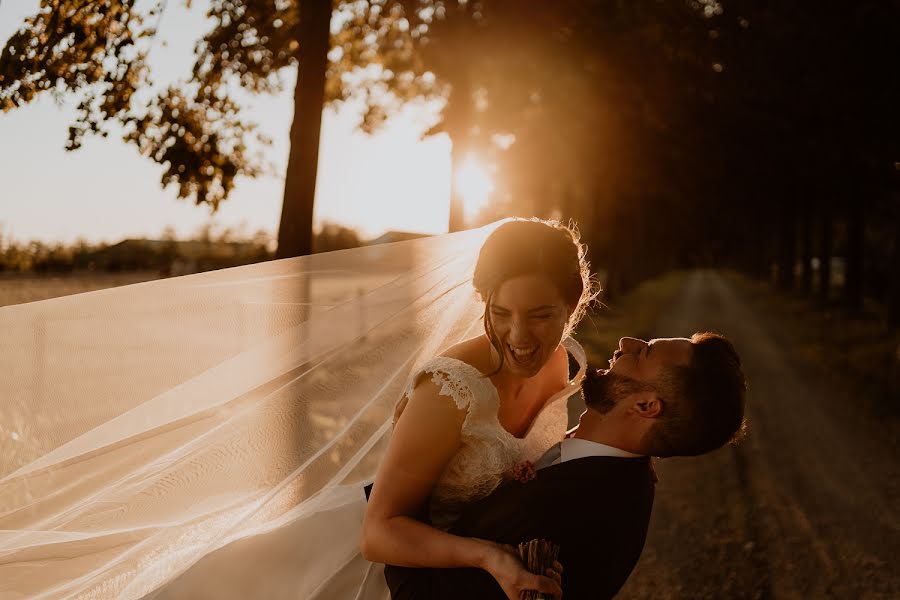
pixel 475 185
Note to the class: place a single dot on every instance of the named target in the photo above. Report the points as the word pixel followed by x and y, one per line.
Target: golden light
pixel 475 185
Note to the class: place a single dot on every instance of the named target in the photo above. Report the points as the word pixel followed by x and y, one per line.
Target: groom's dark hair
pixel 703 402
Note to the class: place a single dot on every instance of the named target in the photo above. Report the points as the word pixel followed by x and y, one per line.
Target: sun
pixel 475 185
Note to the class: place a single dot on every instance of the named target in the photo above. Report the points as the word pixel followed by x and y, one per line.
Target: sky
pixel 107 191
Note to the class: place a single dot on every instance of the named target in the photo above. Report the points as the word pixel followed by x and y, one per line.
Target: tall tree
pixel 806 219
pixel 98 52
pixel 893 294
pixel 826 242
pixel 295 228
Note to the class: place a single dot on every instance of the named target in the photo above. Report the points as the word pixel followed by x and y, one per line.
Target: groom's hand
pixel 504 565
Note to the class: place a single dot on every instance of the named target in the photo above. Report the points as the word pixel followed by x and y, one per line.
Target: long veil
pixel 146 427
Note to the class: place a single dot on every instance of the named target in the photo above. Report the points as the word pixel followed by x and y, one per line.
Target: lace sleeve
pixel 455 379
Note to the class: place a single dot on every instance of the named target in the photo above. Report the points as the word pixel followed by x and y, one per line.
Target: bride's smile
pixel 528 317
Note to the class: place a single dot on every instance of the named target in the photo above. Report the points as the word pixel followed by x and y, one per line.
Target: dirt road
pixel 805 507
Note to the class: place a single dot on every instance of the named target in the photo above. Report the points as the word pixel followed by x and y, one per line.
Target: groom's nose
pixel 629 344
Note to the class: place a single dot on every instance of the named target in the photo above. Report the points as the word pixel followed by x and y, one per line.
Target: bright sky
pixel 107 191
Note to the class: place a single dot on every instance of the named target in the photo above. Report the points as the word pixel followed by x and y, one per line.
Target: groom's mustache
pixel 603 388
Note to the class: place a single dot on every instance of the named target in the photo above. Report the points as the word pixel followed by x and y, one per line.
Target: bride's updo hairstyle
pixel 535 247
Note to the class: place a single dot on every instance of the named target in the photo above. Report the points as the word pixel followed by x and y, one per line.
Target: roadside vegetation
pixel 858 347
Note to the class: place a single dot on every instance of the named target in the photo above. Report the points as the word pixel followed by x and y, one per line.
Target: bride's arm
pixel 425 438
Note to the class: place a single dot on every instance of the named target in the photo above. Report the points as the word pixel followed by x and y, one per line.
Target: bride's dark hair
pixel 535 246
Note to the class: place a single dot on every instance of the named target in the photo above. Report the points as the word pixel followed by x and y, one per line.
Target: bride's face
pixel 529 317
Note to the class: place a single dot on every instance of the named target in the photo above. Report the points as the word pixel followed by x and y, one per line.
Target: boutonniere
pixel 523 472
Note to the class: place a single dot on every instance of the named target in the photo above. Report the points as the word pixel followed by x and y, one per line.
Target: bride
pixel 209 436
pixel 469 415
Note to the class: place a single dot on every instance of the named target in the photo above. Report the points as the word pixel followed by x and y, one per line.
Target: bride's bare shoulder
pixel 474 351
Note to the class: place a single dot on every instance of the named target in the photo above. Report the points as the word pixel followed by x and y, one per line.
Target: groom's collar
pixel 575 448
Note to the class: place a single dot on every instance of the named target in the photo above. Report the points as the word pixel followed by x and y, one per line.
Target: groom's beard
pixel 602 391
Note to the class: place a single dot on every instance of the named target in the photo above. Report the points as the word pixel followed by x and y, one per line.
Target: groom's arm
pixel 601 533
pixel 488 518
pixel 439 584
pixel 601 539
pixel 515 512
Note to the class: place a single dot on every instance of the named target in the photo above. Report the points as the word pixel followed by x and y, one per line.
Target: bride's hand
pixel 506 567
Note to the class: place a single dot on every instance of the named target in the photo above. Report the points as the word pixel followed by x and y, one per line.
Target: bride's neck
pixel 506 383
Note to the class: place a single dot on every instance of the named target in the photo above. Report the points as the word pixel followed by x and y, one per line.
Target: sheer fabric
pixel 145 428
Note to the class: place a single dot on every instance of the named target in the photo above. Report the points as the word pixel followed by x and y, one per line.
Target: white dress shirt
pixel 573 448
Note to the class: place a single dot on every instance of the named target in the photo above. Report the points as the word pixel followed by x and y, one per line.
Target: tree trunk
pixel 788 250
pixel 894 289
pixel 458 119
pixel 295 229
pixel 806 247
pixel 604 225
pixel 826 242
pixel 458 151
pixel 853 276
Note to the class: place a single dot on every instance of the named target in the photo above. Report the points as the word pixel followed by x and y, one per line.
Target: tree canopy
pixel 694 131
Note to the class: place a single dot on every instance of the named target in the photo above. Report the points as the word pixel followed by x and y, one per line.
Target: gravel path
pixel 805 507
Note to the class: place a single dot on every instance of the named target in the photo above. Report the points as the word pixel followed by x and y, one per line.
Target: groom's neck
pixel 605 429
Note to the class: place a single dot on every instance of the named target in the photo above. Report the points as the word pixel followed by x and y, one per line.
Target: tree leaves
pixel 98 52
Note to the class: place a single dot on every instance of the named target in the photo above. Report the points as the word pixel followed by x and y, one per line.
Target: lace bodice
pixel 488 451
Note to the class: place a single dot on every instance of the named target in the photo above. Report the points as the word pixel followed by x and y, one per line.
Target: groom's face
pixel 636 366
pixel 609 389
pixel 646 361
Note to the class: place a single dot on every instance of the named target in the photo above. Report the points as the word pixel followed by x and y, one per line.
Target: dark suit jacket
pixel 596 508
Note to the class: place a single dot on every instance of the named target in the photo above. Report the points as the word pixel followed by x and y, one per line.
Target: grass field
pixel 18 289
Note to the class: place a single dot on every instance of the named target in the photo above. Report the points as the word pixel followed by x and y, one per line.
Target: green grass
pixel 21 288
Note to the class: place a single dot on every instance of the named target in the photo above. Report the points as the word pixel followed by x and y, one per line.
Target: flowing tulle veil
pixel 146 427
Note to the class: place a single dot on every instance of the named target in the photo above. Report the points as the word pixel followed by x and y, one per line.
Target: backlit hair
pixel 535 246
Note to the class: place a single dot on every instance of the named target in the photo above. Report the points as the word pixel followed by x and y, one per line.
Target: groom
pixel 593 492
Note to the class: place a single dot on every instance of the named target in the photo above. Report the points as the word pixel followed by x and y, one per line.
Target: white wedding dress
pixel 209 436
pixel 487 454
pixel 488 450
